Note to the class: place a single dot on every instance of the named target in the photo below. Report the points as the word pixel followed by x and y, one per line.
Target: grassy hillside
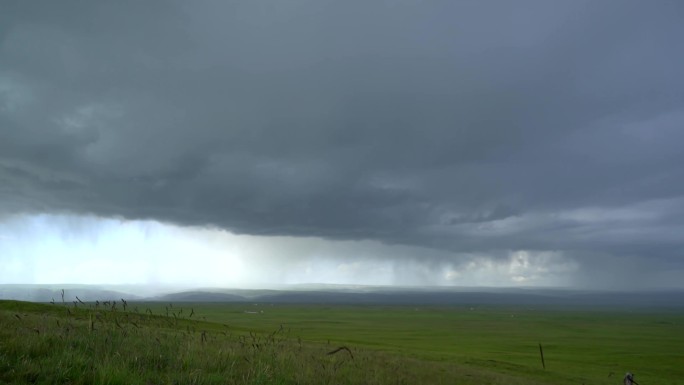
pixel 580 346
pixel 148 343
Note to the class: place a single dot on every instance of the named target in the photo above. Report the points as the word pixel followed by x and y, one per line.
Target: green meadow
pixel 193 343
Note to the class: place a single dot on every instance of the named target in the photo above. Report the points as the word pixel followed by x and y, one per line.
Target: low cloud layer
pixel 58 249
pixel 467 128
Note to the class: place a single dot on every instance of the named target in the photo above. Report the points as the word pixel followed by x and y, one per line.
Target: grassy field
pixel 158 343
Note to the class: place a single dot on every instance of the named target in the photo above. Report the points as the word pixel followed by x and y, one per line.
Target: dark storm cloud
pixel 466 126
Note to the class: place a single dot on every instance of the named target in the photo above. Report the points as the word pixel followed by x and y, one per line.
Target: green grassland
pixel 192 343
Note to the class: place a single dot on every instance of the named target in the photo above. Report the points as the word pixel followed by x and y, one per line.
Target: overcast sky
pixel 237 143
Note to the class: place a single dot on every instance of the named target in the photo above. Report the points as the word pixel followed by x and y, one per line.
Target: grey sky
pixel 474 129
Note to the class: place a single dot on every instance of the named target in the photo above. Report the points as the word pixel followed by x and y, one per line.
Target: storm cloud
pixel 463 127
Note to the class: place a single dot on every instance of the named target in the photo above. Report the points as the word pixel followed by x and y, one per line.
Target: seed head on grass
pixel 340 349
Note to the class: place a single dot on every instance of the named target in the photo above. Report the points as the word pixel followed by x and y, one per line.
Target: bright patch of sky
pixel 53 249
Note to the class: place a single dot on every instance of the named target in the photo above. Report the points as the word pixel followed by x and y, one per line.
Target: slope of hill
pixel 371 295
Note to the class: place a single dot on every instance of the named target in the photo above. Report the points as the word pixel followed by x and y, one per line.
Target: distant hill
pixel 198 296
pixel 371 295
pixel 438 296
pixel 510 298
pixel 47 293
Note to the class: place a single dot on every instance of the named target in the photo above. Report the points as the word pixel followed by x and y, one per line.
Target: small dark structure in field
pixel 629 379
